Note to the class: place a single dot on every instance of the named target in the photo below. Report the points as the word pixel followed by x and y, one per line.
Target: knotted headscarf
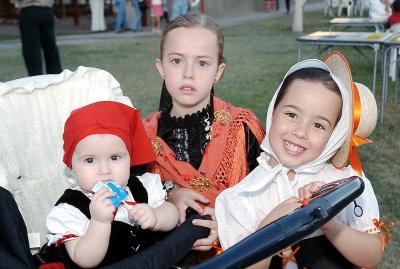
pixel 335 141
pixel 108 117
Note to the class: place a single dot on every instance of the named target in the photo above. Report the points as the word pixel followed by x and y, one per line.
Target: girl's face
pixel 100 157
pixel 190 68
pixel 303 122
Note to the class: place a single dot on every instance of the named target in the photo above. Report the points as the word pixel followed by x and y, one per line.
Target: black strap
pixel 81 201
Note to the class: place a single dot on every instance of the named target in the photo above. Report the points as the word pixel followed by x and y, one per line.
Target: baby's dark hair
pixel 396 6
pixel 309 74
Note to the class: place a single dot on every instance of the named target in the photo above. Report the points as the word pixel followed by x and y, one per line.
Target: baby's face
pixel 303 122
pixel 100 157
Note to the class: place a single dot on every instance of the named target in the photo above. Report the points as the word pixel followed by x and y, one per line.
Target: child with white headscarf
pixel 313 120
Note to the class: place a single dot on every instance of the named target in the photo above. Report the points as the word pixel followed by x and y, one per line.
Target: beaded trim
pixel 200 184
pixel 156 145
pixel 223 116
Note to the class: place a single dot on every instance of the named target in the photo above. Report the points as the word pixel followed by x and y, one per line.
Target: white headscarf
pixel 338 135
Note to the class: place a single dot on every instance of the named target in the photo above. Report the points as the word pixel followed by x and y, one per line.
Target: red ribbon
pixel 290 258
pixel 65 238
pixel 356 140
pixel 385 226
pixel 218 250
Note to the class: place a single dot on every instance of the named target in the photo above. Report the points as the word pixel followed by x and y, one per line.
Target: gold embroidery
pixel 200 184
pixel 223 116
pixel 157 146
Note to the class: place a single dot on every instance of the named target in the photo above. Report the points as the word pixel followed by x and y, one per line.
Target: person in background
pixel 394 18
pixel 121 22
pixel 379 9
pixel 194 6
pixel 179 7
pixel 137 23
pixel 157 11
pixel 287 4
pixel 97 11
pixel 36 25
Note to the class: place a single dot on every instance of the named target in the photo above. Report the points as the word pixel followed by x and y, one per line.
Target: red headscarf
pixel 108 117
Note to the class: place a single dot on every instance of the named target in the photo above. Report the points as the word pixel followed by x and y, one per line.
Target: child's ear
pixel 220 71
pixel 160 68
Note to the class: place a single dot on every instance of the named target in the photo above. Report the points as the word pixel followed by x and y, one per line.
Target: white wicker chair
pixel 32 115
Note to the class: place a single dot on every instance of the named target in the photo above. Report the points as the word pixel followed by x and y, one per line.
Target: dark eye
pixel 291 115
pixel 319 126
pixel 115 157
pixel 203 63
pixel 89 160
pixel 176 61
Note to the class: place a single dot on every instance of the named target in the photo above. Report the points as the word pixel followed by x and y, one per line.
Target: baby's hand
pixel 101 208
pixel 183 198
pixel 144 215
pixel 307 191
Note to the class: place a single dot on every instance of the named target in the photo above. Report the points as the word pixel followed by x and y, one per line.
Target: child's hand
pixel 205 244
pixel 183 198
pixel 144 215
pixel 280 210
pixel 307 191
pixel 101 208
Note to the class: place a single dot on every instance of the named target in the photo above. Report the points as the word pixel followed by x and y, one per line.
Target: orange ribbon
pixel 218 250
pixel 356 140
pixel 290 258
pixel 386 226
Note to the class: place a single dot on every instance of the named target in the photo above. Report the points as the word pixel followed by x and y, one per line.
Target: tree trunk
pixel 298 16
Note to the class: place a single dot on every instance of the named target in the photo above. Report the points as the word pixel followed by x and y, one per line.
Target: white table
pixel 326 39
pixel 347 23
pixel 391 43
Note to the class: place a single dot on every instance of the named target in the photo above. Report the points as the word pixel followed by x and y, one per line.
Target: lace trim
pixel 188 136
pixel 234 163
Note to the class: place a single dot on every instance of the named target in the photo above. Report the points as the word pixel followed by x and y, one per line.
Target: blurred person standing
pixel 97 13
pixel 136 24
pixel 287 4
pixel 179 7
pixel 121 21
pixel 157 11
pixel 379 9
pixel 194 7
pixel 36 25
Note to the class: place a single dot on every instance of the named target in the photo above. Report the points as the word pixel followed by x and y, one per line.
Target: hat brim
pixel 339 67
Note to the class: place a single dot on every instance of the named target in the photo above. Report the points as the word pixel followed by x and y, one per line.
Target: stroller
pixel 33 111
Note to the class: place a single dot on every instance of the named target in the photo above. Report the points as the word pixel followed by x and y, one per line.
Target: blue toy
pixel 120 193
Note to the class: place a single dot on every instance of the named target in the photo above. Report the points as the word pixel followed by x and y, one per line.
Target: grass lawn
pixel 258 55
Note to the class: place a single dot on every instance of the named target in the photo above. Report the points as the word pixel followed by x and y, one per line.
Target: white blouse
pixel 64 219
pixel 240 209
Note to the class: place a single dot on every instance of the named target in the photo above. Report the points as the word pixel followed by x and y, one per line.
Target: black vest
pixel 125 240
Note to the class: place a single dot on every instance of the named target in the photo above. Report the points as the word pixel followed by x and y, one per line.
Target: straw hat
pixel 364 113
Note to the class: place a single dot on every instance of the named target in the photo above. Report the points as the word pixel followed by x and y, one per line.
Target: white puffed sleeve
pixel 155 191
pixel 64 221
pixel 231 229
